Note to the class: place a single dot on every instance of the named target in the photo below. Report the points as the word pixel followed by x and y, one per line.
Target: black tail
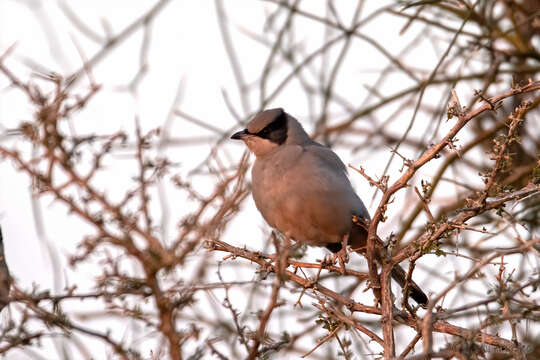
pixel 358 241
pixel 414 290
pixel 398 274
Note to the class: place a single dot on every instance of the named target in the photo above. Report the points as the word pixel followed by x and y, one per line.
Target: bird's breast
pixel 300 202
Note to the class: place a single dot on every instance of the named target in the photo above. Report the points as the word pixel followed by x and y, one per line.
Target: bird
pixel 302 189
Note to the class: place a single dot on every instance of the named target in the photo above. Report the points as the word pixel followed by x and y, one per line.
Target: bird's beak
pixel 240 135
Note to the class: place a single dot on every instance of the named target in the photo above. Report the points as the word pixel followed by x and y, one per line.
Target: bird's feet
pixel 342 256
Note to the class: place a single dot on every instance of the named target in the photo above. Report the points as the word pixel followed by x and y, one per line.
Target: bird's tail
pixel 358 241
pixel 414 290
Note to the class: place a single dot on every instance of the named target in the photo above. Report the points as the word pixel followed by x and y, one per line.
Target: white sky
pixel 186 47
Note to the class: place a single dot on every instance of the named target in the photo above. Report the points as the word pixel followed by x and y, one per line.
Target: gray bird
pixel 301 188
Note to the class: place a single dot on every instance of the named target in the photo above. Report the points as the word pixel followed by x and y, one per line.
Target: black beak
pixel 239 135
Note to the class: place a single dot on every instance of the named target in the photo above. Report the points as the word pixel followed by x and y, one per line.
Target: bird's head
pixel 270 129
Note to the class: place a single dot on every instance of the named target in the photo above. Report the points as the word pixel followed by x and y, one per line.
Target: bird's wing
pixel 327 158
pixel 332 164
pixel 322 200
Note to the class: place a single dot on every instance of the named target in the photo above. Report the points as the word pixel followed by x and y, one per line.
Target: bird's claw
pixel 342 258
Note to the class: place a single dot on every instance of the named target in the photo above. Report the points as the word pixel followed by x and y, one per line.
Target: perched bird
pixel 301 188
